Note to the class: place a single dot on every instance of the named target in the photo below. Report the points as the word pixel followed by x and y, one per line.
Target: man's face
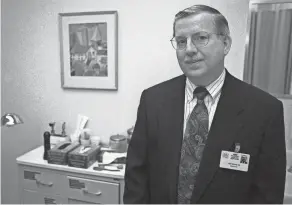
pixel 201 64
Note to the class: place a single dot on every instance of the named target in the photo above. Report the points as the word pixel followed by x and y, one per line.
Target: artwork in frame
pixel 88 44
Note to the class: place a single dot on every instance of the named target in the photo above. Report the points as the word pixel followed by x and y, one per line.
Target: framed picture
pixel 88 44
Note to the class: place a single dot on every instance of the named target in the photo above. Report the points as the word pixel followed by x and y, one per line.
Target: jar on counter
pixel 118 143
pixel 130 132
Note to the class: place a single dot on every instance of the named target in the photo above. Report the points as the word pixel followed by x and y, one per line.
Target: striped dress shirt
pixel 210 100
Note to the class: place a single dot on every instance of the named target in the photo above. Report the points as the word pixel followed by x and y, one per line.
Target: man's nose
pixel 191 48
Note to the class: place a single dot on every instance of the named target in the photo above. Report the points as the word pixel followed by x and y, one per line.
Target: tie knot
pixel 200 93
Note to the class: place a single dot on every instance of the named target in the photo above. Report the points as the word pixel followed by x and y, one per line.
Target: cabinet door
pixel 34 197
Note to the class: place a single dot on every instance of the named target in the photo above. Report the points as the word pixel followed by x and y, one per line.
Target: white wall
pixel 31 84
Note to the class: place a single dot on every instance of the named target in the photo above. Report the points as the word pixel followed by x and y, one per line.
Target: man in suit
pixel 185 123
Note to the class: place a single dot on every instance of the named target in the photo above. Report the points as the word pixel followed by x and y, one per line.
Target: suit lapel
pixel 171 118
pixel 225 126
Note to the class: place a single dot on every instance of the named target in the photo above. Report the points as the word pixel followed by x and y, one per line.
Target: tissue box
pixel 59 153
pixel 83 156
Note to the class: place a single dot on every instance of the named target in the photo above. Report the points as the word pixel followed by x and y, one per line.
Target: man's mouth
pixel 193 61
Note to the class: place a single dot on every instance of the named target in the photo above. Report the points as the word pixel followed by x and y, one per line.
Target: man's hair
pixel 220 21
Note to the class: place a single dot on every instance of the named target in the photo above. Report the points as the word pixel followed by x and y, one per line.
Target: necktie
pixel 194 141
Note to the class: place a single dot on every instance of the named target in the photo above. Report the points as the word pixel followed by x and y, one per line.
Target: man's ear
pixel 227 41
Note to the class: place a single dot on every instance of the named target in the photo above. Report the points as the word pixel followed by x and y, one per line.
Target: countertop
pixel 35 158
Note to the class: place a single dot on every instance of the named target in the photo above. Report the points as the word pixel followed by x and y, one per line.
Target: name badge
pixel 234 160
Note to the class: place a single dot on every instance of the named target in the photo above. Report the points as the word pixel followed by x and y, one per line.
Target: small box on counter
pixel 59 153
pixel 109 156
pixel 83 156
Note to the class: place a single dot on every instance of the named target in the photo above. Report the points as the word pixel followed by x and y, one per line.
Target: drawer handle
pixel 43 183
pixel 85 191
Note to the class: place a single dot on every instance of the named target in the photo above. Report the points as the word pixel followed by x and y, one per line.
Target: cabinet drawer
pixel 43 181
pixel 288 185
pixel 287 199
pixel 34 197
pixel 92 190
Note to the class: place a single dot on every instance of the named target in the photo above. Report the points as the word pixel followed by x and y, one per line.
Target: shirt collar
pixel 213 88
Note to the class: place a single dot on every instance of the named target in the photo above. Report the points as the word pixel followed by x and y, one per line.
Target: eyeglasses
pixel 199 39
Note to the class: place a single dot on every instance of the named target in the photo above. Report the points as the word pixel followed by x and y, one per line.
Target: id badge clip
pixel 237 147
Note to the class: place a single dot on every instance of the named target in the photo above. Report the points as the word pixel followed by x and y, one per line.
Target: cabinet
pixel 288 186
pixel 43 183
pixel 288 131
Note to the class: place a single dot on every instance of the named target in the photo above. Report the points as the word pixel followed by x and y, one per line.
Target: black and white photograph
pixel 146 101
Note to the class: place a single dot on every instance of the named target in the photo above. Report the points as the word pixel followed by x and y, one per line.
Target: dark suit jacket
pixel 244 115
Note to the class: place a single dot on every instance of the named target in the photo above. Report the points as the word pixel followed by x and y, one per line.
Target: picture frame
pixel 88 50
